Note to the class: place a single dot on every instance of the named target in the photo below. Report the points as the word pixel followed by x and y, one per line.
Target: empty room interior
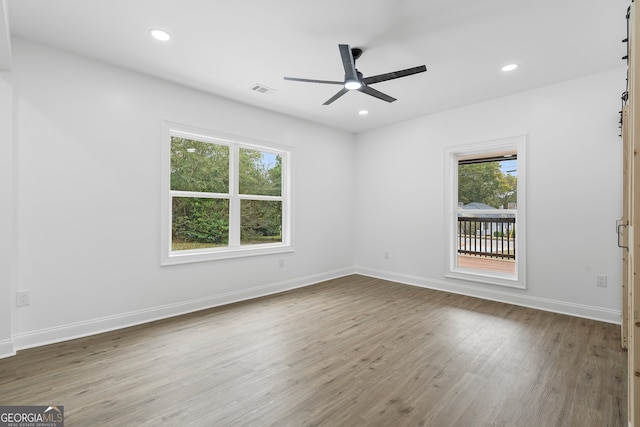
pixel 371 213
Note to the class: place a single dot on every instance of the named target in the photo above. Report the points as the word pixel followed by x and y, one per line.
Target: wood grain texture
pixel 632 132
pixel 623 227
pixel 354 351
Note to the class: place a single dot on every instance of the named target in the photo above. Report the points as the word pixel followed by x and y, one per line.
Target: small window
pixel 224 197
pixel 486 216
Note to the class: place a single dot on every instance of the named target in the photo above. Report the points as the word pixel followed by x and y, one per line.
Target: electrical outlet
pixel 386 255
pixel 601 281
pixel 22 298
pixel 281 262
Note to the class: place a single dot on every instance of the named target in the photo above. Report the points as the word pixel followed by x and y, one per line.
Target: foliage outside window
pixel 486 221
pixel 493 182
pixel 226 198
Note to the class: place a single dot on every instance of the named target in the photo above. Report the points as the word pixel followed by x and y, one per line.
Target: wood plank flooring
pixel 354 351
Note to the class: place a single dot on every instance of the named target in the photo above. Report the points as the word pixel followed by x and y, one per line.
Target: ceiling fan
pixel 353 79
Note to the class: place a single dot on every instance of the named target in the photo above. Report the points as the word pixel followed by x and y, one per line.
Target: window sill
pixel 491 278
pixel 215 254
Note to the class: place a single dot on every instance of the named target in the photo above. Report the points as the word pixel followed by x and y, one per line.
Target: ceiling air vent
pixel 262 89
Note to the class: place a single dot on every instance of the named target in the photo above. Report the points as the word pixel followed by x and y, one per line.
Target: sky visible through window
pixel 268 159
pixel 509 167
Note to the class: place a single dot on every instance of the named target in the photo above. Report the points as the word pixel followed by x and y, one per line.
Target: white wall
pixel 573 194
pixel 89 198
pixel 6 213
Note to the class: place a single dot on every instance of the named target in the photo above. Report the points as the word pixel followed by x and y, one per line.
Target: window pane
pixel 487 185
pixel 486 237
pixel 260 222
pixel 260 173
pixel 199 223
pixel 199 166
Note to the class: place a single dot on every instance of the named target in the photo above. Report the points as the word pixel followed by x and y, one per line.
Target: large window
pixel 224 197
pixel 485 215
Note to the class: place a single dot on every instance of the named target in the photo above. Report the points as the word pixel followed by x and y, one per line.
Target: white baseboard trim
pixel 544 304
pixel 105 324
pixel 7 348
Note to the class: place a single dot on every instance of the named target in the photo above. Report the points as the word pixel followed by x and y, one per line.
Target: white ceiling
pixel 225 47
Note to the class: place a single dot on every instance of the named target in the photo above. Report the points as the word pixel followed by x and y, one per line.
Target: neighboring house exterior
pixel 486 228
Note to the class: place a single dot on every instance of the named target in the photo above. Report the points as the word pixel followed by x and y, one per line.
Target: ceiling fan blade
pixel 376 93
pixel 336 96
pixel 394 75
pixel 348 62
pixel 331 82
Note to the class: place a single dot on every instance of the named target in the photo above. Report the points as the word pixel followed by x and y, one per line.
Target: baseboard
pixel 110 323
pixel 545 304
pixel 7 348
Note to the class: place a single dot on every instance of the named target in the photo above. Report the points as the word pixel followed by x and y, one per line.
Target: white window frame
pixel 234 249
pixel 452 155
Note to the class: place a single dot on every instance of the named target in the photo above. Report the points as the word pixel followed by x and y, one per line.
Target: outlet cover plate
pixel 22 298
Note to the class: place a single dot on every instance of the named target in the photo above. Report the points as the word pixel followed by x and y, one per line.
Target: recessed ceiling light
pixel 510 67
pixel 363 112
pixel 161 35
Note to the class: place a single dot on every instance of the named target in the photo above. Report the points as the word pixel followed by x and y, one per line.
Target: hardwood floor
pixel 354 351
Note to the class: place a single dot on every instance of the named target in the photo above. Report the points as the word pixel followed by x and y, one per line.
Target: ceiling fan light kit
pixel 354 80
pixel 352 84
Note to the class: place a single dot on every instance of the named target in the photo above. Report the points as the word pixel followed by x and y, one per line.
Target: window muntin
pixel 224 197
pixel 485 212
